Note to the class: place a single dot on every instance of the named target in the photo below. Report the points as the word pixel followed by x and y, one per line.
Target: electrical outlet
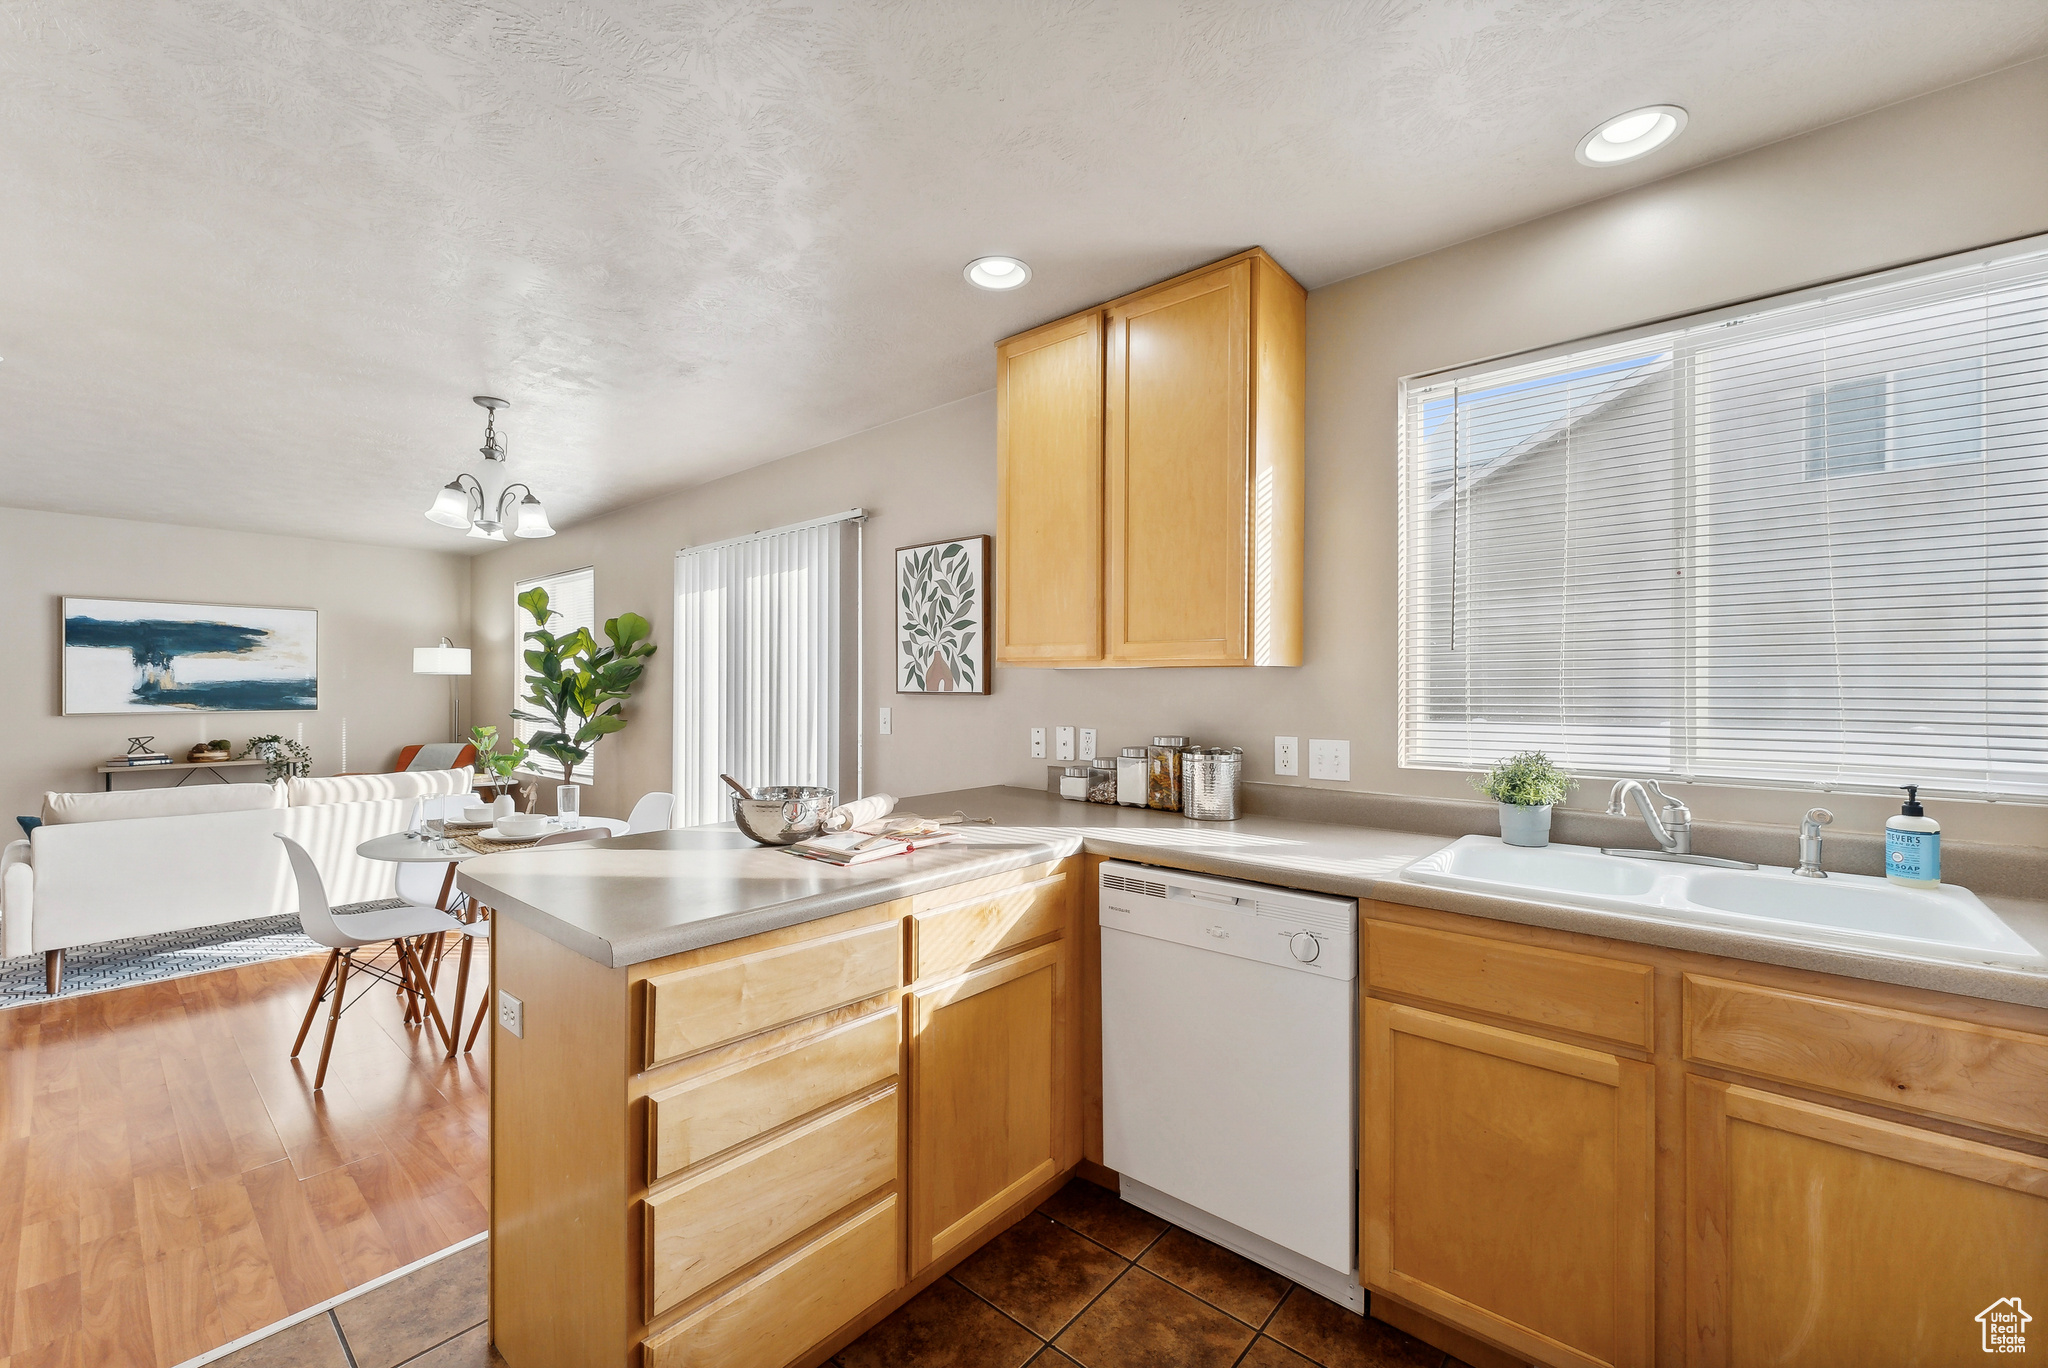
pixel 1063 743
pixel 1329 760
pixel 511 1014
pixel 1038 743
pixel 1287 755
pixel 1087 743
pixel 885 721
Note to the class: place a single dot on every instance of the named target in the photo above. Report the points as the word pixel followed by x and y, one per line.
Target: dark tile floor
pixel 1086 1281
pixel 1090 1280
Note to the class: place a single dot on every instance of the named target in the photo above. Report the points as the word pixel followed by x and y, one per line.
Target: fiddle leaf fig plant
pixel 577 687
pixel 1527 779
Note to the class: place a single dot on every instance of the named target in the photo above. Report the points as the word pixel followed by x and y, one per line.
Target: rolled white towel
pixel 860 812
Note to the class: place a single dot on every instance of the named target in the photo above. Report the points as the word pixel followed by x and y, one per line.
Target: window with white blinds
pixel 1799 543
pixel 573 594
pixel 768 664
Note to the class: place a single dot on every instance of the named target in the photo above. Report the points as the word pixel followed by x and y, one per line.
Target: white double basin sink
pixel 1851 910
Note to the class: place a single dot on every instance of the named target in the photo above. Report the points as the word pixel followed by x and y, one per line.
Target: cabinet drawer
pixel 946 940
pixel 795 1302
pixel 716 1221
pixel 1979 1075
pixel 710 1004
pixel 1602 998
pixel 704 1117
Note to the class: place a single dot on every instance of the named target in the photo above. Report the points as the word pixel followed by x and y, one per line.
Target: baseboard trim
pixel 1433 1332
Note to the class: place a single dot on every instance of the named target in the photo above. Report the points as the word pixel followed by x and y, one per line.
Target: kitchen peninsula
pixel 757 1101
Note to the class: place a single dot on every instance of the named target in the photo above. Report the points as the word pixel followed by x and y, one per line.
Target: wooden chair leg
pixel 419 975
pixel 408 988
pixel 461 988
pixel 485 1006
pixel 320 991
pixel 333 1020
pixel 53 971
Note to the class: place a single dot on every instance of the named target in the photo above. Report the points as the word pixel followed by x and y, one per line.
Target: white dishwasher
pixel 1229 1065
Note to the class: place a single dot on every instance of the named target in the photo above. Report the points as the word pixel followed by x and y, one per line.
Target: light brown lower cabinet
pixel 1506 1185
pixel 1821 1236
pixel 1589 1152
pixel 988 1088
pixel 723 1157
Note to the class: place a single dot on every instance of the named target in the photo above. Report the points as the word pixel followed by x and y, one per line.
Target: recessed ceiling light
pixel 1628 136
pixel 997 272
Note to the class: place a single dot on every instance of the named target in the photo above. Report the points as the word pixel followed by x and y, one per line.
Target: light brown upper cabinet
pixel 1150 507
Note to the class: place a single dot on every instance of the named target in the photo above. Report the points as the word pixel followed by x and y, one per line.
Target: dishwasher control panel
pixel 1311 932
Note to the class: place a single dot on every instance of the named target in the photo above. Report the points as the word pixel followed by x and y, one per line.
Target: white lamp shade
pixel 533 519
pixel 440 660
pixel 451 506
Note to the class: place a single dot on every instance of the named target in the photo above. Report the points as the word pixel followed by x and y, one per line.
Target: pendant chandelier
pixel 462 502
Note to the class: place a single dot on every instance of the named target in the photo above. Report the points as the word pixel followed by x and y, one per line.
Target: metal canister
pixel 1208 782
pixel 1162 788
pixel 1074 783
pixel 1132 767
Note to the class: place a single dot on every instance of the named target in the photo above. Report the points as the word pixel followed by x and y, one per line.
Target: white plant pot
pixel 1525 826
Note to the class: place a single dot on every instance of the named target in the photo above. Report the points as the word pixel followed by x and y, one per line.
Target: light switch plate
pixel 1287 755
pixel 1329 760
pixel 1087 743
pixel 885 721
pixel 1063 743
pixel 511 1014
pixel 1038 743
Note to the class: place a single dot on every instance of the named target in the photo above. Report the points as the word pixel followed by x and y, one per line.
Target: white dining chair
pixel 654 812
pixel 397 926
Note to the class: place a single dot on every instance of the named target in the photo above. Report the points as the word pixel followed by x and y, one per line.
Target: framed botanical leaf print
pixel 942 617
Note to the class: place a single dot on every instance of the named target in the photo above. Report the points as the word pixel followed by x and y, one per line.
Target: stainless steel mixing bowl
pixel 783 814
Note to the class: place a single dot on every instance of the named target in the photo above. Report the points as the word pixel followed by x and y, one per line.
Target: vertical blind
pixel 767 675
pixel 1799 543
pixel 573 594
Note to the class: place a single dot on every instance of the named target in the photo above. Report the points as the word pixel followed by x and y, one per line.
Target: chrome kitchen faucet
pixel 1671 830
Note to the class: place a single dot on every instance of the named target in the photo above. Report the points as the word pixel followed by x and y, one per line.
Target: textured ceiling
pixel 259 253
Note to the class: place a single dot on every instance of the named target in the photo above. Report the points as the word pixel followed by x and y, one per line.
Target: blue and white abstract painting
pixel 125 656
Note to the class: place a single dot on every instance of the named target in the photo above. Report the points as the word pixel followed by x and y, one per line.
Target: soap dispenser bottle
pixel 1912 845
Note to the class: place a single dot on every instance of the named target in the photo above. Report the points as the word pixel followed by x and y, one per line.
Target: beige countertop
pixel 636 898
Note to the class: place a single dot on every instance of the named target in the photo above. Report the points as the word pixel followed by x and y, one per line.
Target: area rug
pixel 166 955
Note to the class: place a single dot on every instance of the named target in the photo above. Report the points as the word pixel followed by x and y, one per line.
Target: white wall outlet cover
pixel 1087 744
pixel 1063 743
pixel 1329 760
pixel 1287 755
pixel 885 721
pixel 511 1014
pixel 1038 743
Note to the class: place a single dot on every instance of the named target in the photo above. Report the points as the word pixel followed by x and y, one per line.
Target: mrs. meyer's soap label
pixel 1913 854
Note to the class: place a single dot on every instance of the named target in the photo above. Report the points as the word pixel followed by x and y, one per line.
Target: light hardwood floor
pixel 170 1182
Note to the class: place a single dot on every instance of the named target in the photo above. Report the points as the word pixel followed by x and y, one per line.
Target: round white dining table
pixel 402 848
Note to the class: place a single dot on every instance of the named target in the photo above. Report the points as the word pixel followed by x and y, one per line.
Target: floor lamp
pixel 444 659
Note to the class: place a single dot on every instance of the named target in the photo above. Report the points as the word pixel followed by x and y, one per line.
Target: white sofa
pixel 108 865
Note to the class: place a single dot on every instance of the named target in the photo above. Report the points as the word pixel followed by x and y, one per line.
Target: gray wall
pixel 376 603
pixel 1915 180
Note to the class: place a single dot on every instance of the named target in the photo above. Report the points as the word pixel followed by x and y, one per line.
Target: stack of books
pixel 141 758
pixel 879 842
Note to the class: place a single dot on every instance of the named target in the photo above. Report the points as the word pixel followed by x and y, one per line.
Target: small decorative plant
pixel 490 759
pixel 1525 780
pixel 577 686
pixel 281 759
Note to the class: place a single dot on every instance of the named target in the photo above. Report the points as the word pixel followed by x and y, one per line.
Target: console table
pixel 187 765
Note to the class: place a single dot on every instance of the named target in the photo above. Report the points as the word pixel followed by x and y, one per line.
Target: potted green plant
pixel 577 687
pixel 281 759
pixel 1525 785
pixel 501 765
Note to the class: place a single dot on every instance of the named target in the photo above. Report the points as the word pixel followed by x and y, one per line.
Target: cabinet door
pixel 1822 1236
pixel 1048 550
pixel 1505 1185
pixel 988 1080
pixel 1178 451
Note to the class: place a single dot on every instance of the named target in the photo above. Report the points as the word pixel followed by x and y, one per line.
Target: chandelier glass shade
pixel 461 504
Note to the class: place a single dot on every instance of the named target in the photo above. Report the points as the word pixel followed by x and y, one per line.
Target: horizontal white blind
pixel 573 594
pixel 765 643
pixel 1803 543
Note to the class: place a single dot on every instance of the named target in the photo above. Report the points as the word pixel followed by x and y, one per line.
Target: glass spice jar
pixel 1074 783
pixel 1102 780
pixel 1133 769
pixel 1162 788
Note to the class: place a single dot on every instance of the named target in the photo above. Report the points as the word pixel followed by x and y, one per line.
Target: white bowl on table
pixel 477 815
pixel 521 826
